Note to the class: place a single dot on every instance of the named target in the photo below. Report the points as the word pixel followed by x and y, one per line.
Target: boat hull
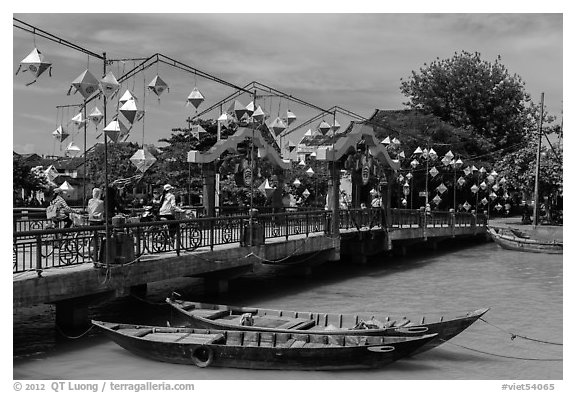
pixel 444 328
pixel 515 243
pixel 262 357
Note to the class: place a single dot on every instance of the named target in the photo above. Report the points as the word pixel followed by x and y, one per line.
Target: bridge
pixel 68 268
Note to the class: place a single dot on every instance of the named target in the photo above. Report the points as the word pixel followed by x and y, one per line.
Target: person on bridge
pixel 62 208
pixel 167 209
pixel 96 208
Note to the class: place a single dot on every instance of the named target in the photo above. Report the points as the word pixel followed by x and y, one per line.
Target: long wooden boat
pixel 260 350
pixel 510 239
pixel 217 316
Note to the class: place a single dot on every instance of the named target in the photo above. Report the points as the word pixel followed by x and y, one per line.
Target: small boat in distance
pixel 260 350
pixel 511 239
pixel 217 316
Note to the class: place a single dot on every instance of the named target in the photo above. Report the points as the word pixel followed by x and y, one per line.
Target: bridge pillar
pixel 386 200
pixel 209 189
pixel 334 190
pixel 217 285
pixel 72 317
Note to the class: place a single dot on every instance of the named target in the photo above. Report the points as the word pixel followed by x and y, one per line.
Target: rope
pixel 73 337
pixel 513 336
pixel 503 356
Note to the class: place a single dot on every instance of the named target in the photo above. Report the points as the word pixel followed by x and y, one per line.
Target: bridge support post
pixel 217 285
pixel 71 317
pixel 209 189
pixel 452 221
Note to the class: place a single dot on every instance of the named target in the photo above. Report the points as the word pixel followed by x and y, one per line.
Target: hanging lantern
pixel 195 98
pixel 258 114
pixel 109 85
pixel 86 84
pixel 78 120
pixel 490 179
pixel 418 150
pixel 96 116
pixel 250 108
pixel 404 202
pixel 66 186
pixel 36 64
pixel 237 109
pixel 310 172
pixel 60 134
pixel 197 129
pixel 409 176
pixel 115 129
pixel 449 154
pixel 143 160
pixel 474 189
pixel 297 183
pixel 442 188
pixel 302 164
pixel 458 163
pixel 467 206
pixel 461 181
pixel 51 173
pixel 72 150
pixel 503 180
pixel 224 120
pixel 396 141
pixel 277 126
pixel 291 146
pixel 494 173
pixel 290 117
pixel 484 201
pixel 306 194
pixel 432 154
pixel 498 207
pixel 308 133
pixel 474 169
pixel 467 170
pixel 446 161
pixel 414 163
pixel 373 193
pixel 482 170
pixel 437 200
pixel 323 127
pixel 386 141
pixel 313 154
pixel 483 185
pixel 335 126
pixel 129 110
pixel 433 172
pixel 158 86
pixel 425 153
pixel 493 195
pixel 127 96
pixel 400 178
pixel 402 155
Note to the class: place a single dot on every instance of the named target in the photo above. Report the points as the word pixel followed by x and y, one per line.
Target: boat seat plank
pixel 297 323
pixel 210 314
pixel 184 338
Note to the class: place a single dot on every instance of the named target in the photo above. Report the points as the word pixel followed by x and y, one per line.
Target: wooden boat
pixel 511 239
pixel 260 350
pixel 216 316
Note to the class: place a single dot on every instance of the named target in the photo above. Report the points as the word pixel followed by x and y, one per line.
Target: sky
pixel 353 60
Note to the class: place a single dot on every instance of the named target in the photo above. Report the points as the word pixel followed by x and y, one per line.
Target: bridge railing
pixel 294 223
pixel 358 218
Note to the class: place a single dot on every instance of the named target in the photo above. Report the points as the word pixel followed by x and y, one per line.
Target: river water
pixel 523 290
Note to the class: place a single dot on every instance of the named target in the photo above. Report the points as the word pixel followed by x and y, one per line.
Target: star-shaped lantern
pixel 237 109
pixel 467 206
pixel 310 172
pixel 197 129
pixel 461 181
pixel 483 185
pixel 143 160
pixel 414 163
pixel 258 114
pixel 386 141
pixel 297 183
pixel 290 117
pixel 442 188
pixel 474 189
pixel 129 110
pixel 484 201
pixel 277 126
pixel 127 96
pixel 335 126
pixel 86 84
pixel 305 193
pixel 109 85
pixel 409 175
pixel 396 141
pixel 446 161
pixel 60 134
pixel 250 108
pixel 324 127
pixel 96 116
pixel 72 150
pixel 36 64
pixel 195 98
pixel 302 164
pixel 434 171
pixel 467 170
pixel 418 150
pixel 437 199
pixel 158 86
pixel 78 120
pixel 115 129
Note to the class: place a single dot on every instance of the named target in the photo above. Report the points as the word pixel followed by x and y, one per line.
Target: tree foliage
pixel 25 177
pixel 476 95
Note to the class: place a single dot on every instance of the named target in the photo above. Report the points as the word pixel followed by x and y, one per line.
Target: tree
pixel 473 94
pixel 119 165
pixel 27 178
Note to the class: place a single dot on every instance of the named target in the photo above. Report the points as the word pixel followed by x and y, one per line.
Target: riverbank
pixel 541 232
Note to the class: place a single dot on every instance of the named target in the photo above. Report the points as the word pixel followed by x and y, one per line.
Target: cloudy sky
pixel 354 61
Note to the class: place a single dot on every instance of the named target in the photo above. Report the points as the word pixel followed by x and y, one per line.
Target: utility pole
pixel 537 179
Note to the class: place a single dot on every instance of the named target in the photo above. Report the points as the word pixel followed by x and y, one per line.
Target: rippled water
pixel 524 292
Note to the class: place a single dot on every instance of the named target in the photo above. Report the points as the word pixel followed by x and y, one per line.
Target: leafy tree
pixel 119 165
pixel 475 95
pixel 27 178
